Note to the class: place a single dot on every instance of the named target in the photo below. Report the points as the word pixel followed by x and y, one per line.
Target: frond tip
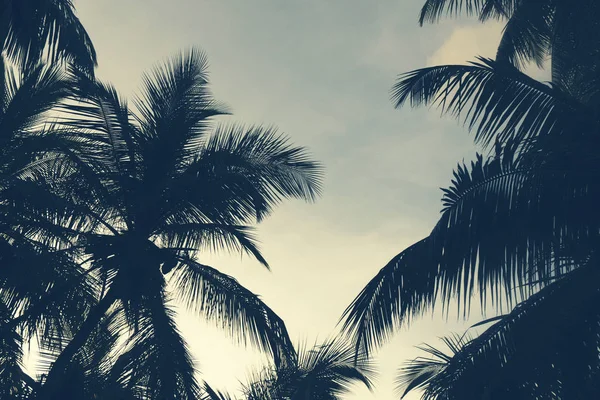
pixel 495 99
pixel 325 371
pixel 222 299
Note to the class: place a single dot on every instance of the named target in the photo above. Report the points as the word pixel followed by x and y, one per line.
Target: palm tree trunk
pixel 54 379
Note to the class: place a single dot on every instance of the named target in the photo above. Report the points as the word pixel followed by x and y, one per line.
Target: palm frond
pixel 323 372
pixel 418 373
pixel 245 173
pixel 34 29
pixel 574 49
pixel 28 95
pixel 499 235
pixel 63 350
pixel 13 380
pixel 157 360
pixel 215 237
pixel 49 293
pixel 433 9
pixel 98 110
pixel 496 100
pixel 527 34
pixel 175 110
pixel 89 375
pixel 275 167
pixel 212 394
pixel 380 306
pixel 545 348
pixel 332 367
pixel 222 299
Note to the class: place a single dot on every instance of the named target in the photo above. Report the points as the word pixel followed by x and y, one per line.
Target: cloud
pixel 467 42
pixel 398 44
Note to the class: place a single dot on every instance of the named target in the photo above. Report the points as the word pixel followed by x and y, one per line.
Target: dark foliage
pixel 519 226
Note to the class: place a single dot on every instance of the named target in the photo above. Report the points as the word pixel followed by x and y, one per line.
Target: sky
pixel 321 72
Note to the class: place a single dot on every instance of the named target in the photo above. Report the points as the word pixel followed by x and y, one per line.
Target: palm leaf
pixel 212 394
pixel 222 299
pixel 12 377
pixel 418 373
pixel 496 99
pixel 175 109
pixel 198 236
pixel 274 167
pixel 574 49
pixel 547 346
pixel 325 371
pixel 484 242
pixel 158 359
pixel 36 28
pixel 27 96
pixel 527 34
pixel 433 9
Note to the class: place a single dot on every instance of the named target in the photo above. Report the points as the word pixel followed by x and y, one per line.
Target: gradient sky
pixel 320 71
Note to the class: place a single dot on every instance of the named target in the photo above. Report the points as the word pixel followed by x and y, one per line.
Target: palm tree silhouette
pixel 545 348
pixel 324 372
pixel 31 30
pixel 519 225
pixel 534 30
pixel 43 290
pixel 157 187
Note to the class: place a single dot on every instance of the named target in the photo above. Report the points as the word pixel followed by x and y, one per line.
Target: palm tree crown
pixel 518 226
pixel 155 187
pixel 35 29
pixel 324 372
pixel 43 290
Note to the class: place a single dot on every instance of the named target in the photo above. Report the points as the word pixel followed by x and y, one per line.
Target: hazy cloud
pixel 466 42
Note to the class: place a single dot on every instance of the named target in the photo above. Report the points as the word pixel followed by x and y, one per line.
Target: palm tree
pixel 34 29
pixel 487 226
pixel 324 372
pixel 519 226
pixel 43 290
pixel 156 188
pixel 534 30
pixel 420 372
pixel 95 372
pixel 546 348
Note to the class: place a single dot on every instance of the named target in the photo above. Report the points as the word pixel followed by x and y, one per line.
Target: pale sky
pixel 321 71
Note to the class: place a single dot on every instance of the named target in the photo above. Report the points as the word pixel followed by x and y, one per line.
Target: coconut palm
pixel 534 30
pixel 34 29
pixel 97 371
pixel 546 348
pixel 501 214
pixel 420 372
pixel 520 221
pixel 43 290
pixel 158 185
pixel 324 372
